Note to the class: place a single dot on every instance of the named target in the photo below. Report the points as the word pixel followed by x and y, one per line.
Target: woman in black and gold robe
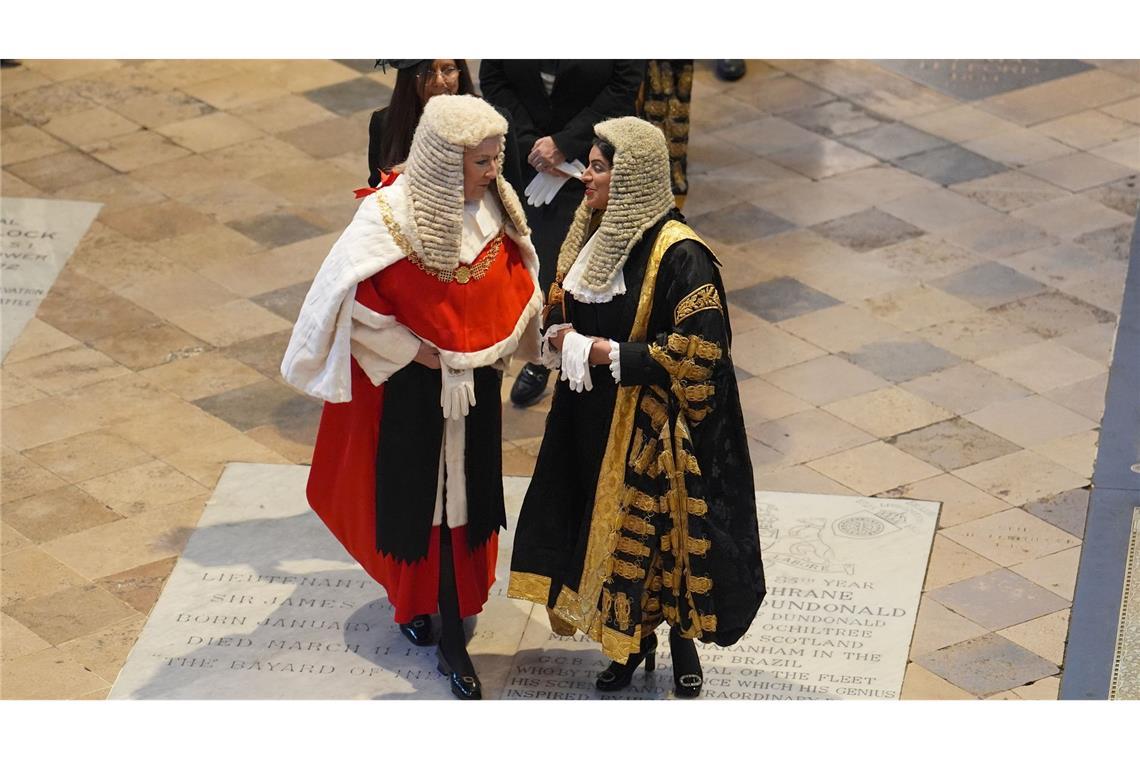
pixel 642 508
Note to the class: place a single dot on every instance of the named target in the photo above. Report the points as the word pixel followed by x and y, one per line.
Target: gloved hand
pixel 457 392
pixel 576 361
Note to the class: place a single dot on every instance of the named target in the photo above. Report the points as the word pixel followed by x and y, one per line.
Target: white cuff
pixel 615 360
pixel 548 355
pixel 576 361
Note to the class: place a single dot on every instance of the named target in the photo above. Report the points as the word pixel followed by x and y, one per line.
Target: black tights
pixel 452 640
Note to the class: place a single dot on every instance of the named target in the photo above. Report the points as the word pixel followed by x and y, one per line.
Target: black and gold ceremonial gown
pixel 642 506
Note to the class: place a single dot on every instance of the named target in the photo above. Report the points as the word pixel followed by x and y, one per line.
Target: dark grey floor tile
pixel 868 230
pixel 740 223
pixel 1112 242
pixel 987 665
pixel 286 302
pixel 949 165
pixel 1122 195
pixel 263 353
pixel 274 230
pixel 349 97
pixel 974 79
pixel 893 141
pixel 781 298
pixel 742 374
pixel 833 119
pixel 264 403
pixel 363 65
pixel 998 599
pixel 952 444
pixel 901 360
pixel 989 284
pixel 1066 511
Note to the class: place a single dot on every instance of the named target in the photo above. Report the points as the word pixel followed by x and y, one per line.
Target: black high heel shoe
pixel 418 631
pixel 617 676
pixel 688 677
pixel 464 687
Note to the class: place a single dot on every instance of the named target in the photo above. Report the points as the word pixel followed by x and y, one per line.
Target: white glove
pixel 576 361
pixel 544 186
pixel 457 392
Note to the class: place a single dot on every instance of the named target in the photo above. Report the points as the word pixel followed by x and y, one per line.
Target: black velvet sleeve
pixel 375 132
pixel 497 89
pixel 617 98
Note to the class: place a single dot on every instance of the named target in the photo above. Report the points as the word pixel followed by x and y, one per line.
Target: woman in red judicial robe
pixel 405 331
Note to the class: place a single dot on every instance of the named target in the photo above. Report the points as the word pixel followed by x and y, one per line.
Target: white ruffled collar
pixel 575 285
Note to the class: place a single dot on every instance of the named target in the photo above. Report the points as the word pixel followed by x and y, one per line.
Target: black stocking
pixel 452 640
pixel 684 654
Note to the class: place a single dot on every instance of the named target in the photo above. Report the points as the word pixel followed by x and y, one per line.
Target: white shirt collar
pixel 482 220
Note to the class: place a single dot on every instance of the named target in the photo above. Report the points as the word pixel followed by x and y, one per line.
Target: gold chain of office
pixel 462 274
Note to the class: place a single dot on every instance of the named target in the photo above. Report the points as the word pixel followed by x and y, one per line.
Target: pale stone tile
pixel 18 188
pixel 961 502
pixel 961 123
pixel 179 73
pixel 1086 398
pixel 790 252
pixel 1125 152
pixel 1095 341
pixel 117 193
pixel 205 462
pixel 1028 422
pixel 811 204
pixel 768 135
pixel 1063 264
pixel 873 468
pixel 1073 452
pixel 65 69
pixel 168 431
pixel 936 210
pixel 299 452
pixel 29 573
pixel 48 674
pixel 801 479
pixel 1060 97
pixel 920 683
pixel 230 323
pixel 823 380
pixel 1043 366
pixel 114 401
pixel 37 339
pixel 1009 191
pixel 66 369
pixel 925 258
pixel 18 640
pixel 915 308
pixel 235 90
pixel 1003 695
pixel 153 535
pixel 43 421
pixel 50 514
pixel 1125 109
pixel 1107 293
pixel 936 627
pixel 212 244
pixel 887 411
pixel 104 652
pixel 12 540
pixel 1080 171
pixel 136 150
pixel 21 79
pixel 874 184
pixel 69 614
pixel 1088 129
pixel 87 455
pixel 280 114
pixel 1021 477
pixel 201 375
pixel 855 279
pixel 964 388
pixel 762 401
pixel 1044 636
pixel 210 132
pixel 1071 217
pixel 978 336
pixel 14 391
pixel 1010 537
pixel 135 490
pixel 951 562
pixel 1046 688
pixel 259 273
pixel 27 142
pixel 22 477
pixel 1055 572
pixel 1018 147
pixel 809 435
pixel 840 328
pixel 87 127
pixel 997 236
pixel 140 586
pixel 98 694
pixel 767 348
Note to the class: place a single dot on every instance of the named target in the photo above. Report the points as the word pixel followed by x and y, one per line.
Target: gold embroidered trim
pixel 529 586
pixel 699 392
pixel 642 453
pixel 633 548
pixel 703 298
pixel 628 570
pixel 700 584
pixel 656 411
pixel 666 543
pixel 696 415
pixel 462 274
pixel 697 546
pixel 559 626
pixel 697 507
pixel 622 610
pixel 692 345
pixel 640 500
pixel 681 369
pixel 638 525
pixel 668 580
pixel 708 622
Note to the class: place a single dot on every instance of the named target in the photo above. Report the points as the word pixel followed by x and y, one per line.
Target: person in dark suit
pixel 554 106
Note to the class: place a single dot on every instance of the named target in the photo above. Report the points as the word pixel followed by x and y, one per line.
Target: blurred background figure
pixel 664 103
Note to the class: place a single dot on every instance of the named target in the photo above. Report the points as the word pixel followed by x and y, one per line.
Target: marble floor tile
pixel 926 258
pixel 873 468
pixel 1044 636
pixel 43 421
pixel 1021 477
pixel 1113 243
pixel 995 237
pixel 1070 217
pixel 50 514
pixel 136 150
pixel 855 278
pixel 717 111
pixel 915 308
pixel 216 243
pixel 18 640
pixel 65 370
pixel 998 599
pixel 235 90
pixel 249 160
pixel 961 123
pixel 284 302
pixel 1105 293
pixel 840 328
pixel 1043 366
pixel 809 435
pixel 205 462
pixel 951 563
pixel 134 490
pixel 801 479
pixel 867 230
pixel 901 360
pixel 348 97
pixel 979 336
pixel 48 674
pixel 259 273
pixel 149 346
pixel 781 298
pixel 938 210
pixel 834 119
pixel 201 375
pixel 1061 264
pixel 1129 110
pixel 781 94
pixel 22 477
pixel 1075 452
pixel 823 159
pixel 91 125
pixel 902 99
pixel 303 75
pixel 920 683
pixel 157 221
pixel 1055 572
pixel 877 184
pixel 708 155
pixel 887 411
pixel 936 627
pixel 26 143
pixel 69 614
pixel 1066 510
pixel 989 284
pixel 1010 191
pixel 825 379
pixel 139 586
pixel 259 404
pixel 114 401
pixel 316 179
pixel 60 170
pixel 230 323
pixel 283 113
pixel 1122 196
pixel 889 141
pixel 277 229
pixel 1045 688
pixel 1061 97
pixel 117 193
pixel 987 665
pixel 104 652
pixel 1018 148
pixel 14 392
pixel 1010 537
pixel 811 203
pixel 1079 171
pixel 296 445
pixel 328 139
pixel 38 338
pixel 210 132
pixel 162 432
pixel 952 444
pixel 1054 314
pixel 87 455
pixel 29 572
pixel 961 502
pixel 949 165
pixel 155 110
pixel 965 388
pixel 768 135
pixel 1088 129
pixel 762 401
pixel 265 352
pixel 1123 152
pixel 156 534
pixel 740 223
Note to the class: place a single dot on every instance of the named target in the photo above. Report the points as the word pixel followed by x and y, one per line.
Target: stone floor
pixel 924 284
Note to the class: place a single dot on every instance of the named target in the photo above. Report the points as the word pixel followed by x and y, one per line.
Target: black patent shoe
pixel 418 631
pixel 618 676
pixel 730 70
pixel 688 678
pixel 529 385
pixel 462 686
